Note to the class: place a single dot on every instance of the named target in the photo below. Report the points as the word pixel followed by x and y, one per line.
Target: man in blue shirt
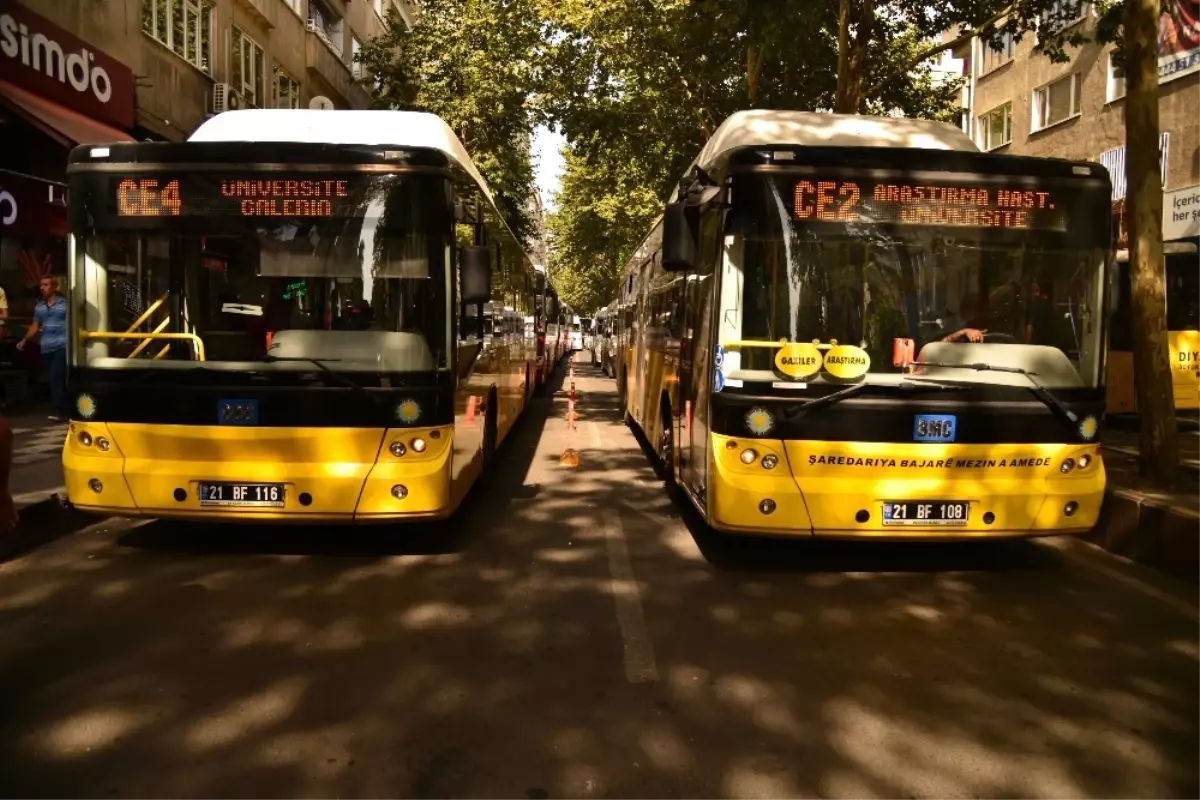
pixel 50 320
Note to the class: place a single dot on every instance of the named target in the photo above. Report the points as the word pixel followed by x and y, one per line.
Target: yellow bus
pixel 549 327
pixel 282 319
pixel 843 326
pixel 1183 331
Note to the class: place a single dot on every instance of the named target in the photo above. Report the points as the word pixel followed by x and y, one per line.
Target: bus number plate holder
pixel 241 495
pixel 942 513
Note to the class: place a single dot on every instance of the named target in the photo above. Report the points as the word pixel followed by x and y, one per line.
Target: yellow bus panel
pixel 347 473
pixel 838 489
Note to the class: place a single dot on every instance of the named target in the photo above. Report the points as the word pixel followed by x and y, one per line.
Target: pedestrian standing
pixel 50 320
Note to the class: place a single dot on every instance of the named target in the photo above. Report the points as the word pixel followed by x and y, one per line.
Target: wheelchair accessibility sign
pixel 719 357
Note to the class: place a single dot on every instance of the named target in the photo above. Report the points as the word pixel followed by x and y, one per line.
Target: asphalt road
pixel 573 635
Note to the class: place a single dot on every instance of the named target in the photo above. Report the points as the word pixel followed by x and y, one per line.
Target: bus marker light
pixel 749 455
pixel 769 461
pixel 85 439
pixel 435 434
pixel 399 491
pixel 1067 466
pixel 1070 508
pixel 731 445
pixel 95 485
pixel 103 444
pixel 180 495
pixel 305 499
pixel 989 518
pixel 398 449
pixel 418 445
pixel 767 506
pixel 862 516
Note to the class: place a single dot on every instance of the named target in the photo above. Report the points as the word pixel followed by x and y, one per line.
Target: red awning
pixel 60 123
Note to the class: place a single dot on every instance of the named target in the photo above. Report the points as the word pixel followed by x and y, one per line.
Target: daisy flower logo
pixel 1088 428
pixel 408 411
pixel 759 421
pixel 85 404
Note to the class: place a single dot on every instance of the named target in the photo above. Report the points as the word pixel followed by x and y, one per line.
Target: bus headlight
pixel 418 445
pixel 103 444
pixel 85 439
pixel 398 449
pixel 770 461
pixel 749 455
pixel 1067 466
pixel 1084 460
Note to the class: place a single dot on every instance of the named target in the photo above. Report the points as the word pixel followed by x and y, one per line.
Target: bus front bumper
pixel 840 490
pixel 324 475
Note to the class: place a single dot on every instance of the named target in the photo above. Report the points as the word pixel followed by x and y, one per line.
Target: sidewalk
pixel 1144 524
pixel 37 458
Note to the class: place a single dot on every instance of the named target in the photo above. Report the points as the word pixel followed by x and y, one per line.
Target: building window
pixel 287 90
pixel 1056 101
pixel 1061 15
pixel 1116 81
pixel 326 24
pixel 182 26
pixel 248 69
pixel 991 58
pixel 995 127
pixel 356 68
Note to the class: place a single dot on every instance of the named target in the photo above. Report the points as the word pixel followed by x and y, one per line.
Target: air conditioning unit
pixel 224 98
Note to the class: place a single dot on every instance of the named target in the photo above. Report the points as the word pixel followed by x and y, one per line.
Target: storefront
pixel 56 92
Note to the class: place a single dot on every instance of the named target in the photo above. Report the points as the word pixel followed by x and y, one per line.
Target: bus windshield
pixel 266 274
pixel 1018 280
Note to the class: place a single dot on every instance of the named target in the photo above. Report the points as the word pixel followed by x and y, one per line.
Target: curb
pixel 1152 532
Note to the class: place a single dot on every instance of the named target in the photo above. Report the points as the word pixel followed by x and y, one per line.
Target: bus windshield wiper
pixel 842 394
pixel 322 364
pixel 1039 391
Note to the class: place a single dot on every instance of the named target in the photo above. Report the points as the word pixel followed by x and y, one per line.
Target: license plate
pixel 268 495
pixel 927 512
pixel 935 428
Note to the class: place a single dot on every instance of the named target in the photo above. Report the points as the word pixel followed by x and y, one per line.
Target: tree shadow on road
pixel 502 666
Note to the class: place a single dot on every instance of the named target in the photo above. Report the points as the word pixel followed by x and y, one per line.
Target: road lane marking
pixel 640 666
pixel 594 436
pixel 1091 559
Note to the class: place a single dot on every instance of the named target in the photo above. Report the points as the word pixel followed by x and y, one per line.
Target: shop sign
pixel 30 208
pixel 1181 213
pixel 53 63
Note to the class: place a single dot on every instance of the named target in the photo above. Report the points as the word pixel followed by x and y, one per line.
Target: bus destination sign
pixel 912 203
pixel 247 197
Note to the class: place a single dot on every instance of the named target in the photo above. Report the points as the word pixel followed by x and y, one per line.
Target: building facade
pixel 76 73
pixel 1017 101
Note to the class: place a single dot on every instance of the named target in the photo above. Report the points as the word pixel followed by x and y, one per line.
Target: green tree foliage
pixel 473 63
pixel 602 206
pixel 637 87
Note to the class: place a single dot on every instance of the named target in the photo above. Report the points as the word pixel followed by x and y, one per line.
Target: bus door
pixel 697 359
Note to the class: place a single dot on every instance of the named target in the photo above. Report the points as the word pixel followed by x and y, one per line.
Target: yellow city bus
pixel 1183 331
pixel 840 327
pixel 282 319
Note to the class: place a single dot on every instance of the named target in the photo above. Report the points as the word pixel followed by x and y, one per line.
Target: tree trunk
pixel 843 51
pixel 1147 272
pixel 852 55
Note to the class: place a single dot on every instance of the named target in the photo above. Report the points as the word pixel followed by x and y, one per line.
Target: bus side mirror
pixel 475 267
pixel 678 241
